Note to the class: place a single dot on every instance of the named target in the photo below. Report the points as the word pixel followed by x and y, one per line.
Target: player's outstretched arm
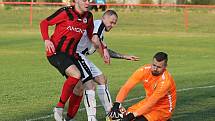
pixel 114 54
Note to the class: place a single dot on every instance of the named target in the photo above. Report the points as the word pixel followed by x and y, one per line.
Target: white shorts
pixel 89 69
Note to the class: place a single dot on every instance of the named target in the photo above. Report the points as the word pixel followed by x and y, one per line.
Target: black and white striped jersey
pixel 85 45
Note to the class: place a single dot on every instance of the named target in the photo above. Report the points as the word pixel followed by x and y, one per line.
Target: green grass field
pixel 30 87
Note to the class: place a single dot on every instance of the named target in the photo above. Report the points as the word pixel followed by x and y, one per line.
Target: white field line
pixel 129 100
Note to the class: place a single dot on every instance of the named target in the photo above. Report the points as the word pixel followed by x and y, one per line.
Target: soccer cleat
pixel 58 114
pixel 68 120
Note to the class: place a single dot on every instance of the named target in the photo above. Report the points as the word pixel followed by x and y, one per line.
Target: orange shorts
pixel 153 115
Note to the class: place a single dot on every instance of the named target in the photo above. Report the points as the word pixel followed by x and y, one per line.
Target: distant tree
pixel 203 2
pixel 41 0
pixel 146 1
pixel 1 5
pixel 196 2
pixel 181 1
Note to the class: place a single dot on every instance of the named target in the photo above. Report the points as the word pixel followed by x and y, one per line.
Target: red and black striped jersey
pixel 70 26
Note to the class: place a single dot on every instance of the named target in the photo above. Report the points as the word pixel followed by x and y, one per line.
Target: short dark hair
pixel 160 56
pixel 110 13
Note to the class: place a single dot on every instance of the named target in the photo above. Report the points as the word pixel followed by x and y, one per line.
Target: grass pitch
pixel 30 87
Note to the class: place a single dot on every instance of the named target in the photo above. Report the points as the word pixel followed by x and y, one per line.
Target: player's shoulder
pixel 64 8
pixel 145 67
pixel 97 22
pixel 60 11
pixel 166 77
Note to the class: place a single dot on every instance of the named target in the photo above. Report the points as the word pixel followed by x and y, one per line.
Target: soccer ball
pixel 122 114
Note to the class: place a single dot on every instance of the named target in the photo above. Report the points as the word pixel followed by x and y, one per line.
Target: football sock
pixel 67 90
pixel 104 96
pixel 90 104
pixel 91 118
pixel 74 103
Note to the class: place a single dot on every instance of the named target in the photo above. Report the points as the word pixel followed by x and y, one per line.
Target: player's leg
pixel 90 100
pixel 74 101
pixel 66 67
pixel 153 115
pixel 135 107
pixel 73 77
pixel 102 88
pixel 67 89
pixel 89 86
pixel 65 94
pixel 103 92
pixel 156 115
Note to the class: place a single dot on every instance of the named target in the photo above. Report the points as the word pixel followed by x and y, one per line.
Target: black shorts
pixel 62 61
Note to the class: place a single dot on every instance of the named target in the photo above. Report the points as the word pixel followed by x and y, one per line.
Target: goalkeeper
pixel 160 89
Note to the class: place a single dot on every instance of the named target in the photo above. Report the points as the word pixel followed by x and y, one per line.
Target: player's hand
pixel 49 46
pixel 128 117
pixel 131 58
pixel 115 112
pixel 106 56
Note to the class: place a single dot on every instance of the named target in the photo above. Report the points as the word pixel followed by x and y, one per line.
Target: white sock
pixel 91 118
pixel 90 104
pixel 104 96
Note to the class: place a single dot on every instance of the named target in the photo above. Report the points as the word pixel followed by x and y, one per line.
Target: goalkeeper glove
pixel 115 112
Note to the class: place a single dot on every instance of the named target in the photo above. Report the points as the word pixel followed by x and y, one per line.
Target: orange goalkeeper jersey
pixel 160 91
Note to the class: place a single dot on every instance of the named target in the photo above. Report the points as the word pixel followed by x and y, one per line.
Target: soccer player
pixel 71 23
pixel 85 47
pixel 160 89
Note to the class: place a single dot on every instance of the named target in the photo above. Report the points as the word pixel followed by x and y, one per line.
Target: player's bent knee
pixel 73 72
pixel 78 92
pixel 78 89
pixel 89 85
pixel 101 80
